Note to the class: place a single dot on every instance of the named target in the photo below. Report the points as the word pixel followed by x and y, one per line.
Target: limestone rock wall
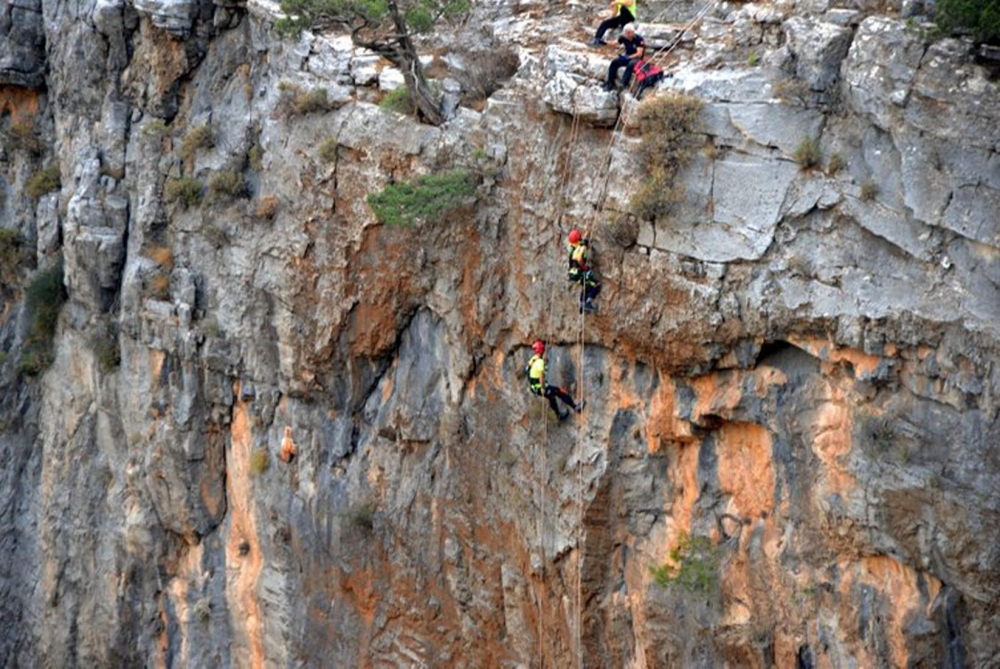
pixel 796 367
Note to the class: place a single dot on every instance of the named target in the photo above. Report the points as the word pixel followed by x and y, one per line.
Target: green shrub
pixel 255 157
pixel 296 101
pixel 836 164
pixel 197 138
pixel 808 153
pixel 791 89
pixel 979 18
pixel 693 566
pixel 424 199
pixel 328 151
pixel 397 100
pixel 869 190
pixel 362 516
pixel 667 125
pixel 226 185
pixel 43 299
pixel 184 191
pixel 20 136
pixel 260 461
pixel 12 254
pixel 155 129
pixel 43 181
pixel 753 60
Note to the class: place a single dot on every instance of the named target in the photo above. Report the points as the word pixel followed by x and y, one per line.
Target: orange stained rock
pixel 243 570
pixel 663 425
pixel 288 449
pixel 745 471
pixel 717 394
pixel 832 441
pixel 897 585
pixel 20 103
pixel 862 363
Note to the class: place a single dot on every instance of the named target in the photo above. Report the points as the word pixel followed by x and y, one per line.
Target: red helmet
pixel 538 347
pixel 574 236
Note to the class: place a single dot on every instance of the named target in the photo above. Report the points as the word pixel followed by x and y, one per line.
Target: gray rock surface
pixel 277 432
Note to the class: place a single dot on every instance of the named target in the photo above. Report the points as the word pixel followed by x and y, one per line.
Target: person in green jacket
pixel 535 371
pixel 624 14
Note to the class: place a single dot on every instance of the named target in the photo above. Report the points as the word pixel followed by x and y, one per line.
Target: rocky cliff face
pixel 791 384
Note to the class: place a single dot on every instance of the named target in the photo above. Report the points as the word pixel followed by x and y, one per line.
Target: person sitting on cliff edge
pixel 624 13
pixel 581 272
pixel 535 371
pixel 634 48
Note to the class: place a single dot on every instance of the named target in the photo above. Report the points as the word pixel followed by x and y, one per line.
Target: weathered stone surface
pixel 22 43
pixel 818 48
pixel 793 367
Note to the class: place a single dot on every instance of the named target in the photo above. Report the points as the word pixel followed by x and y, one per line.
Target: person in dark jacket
pixel 633 48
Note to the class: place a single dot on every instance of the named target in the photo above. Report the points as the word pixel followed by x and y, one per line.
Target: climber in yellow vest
pixel 581 272
pixel 535 371
pixel 624 13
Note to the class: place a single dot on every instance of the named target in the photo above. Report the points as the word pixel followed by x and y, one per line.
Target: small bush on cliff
pixel 260 461
pixel 185 191
pixel 296 101
pixel 693 566
pixel 226 185
pixel 12 255
pixel 836 164
pixel 792 89
pixel 808 153
pixel 979 18
pixel 155 129
pixel 43 181
pixel 197 138
pixel 255 157
pixel 328 150
pixel 267 208
pixel 397 100
pixel 878 433
pixel 869 190
pixel 20 136
pixel 362 516
pixel 43 298
pixel 426 198
pixel 667 124
pixel 104 341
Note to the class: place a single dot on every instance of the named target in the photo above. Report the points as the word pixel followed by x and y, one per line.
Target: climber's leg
pixel 616 64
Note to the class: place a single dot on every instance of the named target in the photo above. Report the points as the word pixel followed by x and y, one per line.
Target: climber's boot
pixel 589 306
pixel 580 405
pixel 563 415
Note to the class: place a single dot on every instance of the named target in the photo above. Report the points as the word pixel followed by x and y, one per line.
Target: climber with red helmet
pixel 581 272
pixel 535 371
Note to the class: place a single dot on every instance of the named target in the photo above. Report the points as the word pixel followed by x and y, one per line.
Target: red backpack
pixel 645 69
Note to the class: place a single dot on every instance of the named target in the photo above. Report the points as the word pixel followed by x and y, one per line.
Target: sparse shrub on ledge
pixel 296 101
pixel 791 89
pixel 362 516
pixel 12 254
pixel 808 153
pixel 267 207
pixel 869 190
pixel 226 185
pixel 156 129
pixel 260 461
pixel 836 164
pixel 693 566
pixel 397 100
pixel 43 298
pixel 20 136
pixel 328 150
pixel 667 125
pixel 196 139
pixel 185 191
pixel 255 157
pixel 426 198
pixel 43 181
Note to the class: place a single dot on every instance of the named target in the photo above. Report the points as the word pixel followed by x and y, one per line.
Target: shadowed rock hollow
pixel 791 384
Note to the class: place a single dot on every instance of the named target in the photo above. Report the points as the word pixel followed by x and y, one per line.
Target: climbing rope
pixel 579 493
pixel 541 532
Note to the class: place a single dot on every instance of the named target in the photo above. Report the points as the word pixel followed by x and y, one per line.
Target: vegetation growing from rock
pixel 184 191
pixel 43 298
pixel 328 151
pixel 226 185
pixel 255 157
pixel 486 72
pixel 979 18
pixel 196 139
pixel 297 101
pixel 425 198
pixel 869 190
pixel 836 164
pixel 42 182
pixel 104 341
pixel 692 566
pixel 386 27
pixel 808 153
pixel 667 124
pixel 397 100
pixel 12 254
pixel 267 207
pixel 20 136
pixel 260 461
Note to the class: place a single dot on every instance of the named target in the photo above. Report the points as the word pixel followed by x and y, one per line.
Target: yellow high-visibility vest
pixel 536 371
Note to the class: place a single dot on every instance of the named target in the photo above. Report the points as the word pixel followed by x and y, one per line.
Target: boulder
pixel 591 103
pixel 22 44
pixel 818 47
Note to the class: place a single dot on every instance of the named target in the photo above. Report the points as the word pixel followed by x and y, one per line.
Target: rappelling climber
pixel 536 381
pixel 634 48
pixel 624 13
pixel 581 272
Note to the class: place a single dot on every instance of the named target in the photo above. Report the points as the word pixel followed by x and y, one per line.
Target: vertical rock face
pixel 290 435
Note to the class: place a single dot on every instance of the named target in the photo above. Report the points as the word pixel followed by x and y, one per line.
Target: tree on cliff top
pixel 979 18
pixel 385 27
